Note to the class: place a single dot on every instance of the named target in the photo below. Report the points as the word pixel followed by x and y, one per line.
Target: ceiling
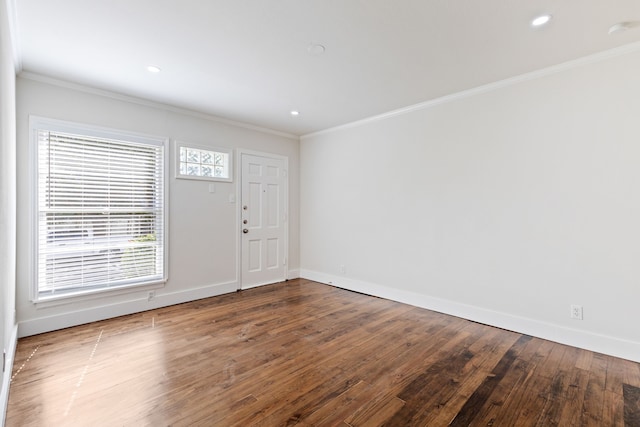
pixel 249 60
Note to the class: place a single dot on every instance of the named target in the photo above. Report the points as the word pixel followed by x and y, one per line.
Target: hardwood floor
pixel 306 354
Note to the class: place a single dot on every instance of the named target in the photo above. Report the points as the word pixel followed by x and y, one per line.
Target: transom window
pixel 212 164
pixel 100 209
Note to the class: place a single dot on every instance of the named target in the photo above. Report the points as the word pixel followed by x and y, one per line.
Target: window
pixel 100 209
pixel 211 164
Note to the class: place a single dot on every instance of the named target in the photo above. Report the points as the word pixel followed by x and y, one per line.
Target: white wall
pixel 503 206
pixel 202 225
pixel 7 202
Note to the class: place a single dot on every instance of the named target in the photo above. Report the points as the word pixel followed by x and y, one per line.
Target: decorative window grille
pixel 100 209
pixel 205 164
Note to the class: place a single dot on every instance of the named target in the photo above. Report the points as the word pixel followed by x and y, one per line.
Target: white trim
pixel 617 347
pixel 38 122
pixel 148 103
pixel 167 209
pixel 12 17
pixel 293 274
pixel 240 152
pixel 94 314
pixel 257 285
pixel 554 69
pixel 45 303
pixel 95 130
pixel 32 229
pixel 6 376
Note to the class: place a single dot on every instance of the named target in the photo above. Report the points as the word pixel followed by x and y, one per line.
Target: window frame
pixel 36 124
pixel 176 162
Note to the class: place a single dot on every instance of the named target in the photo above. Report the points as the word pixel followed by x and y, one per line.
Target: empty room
pixel 319 213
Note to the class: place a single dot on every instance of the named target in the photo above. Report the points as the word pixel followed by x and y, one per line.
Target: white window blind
pixel 100 213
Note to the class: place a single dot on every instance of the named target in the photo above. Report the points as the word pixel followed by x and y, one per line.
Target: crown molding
pixel 148 103
pixel 554 69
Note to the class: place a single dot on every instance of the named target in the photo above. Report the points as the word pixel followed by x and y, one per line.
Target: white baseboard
pixel 6 376
pixel 293 274
pixel 65 320
pixel 612 346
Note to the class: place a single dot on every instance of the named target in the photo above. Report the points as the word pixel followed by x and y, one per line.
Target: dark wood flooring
pixel 306 354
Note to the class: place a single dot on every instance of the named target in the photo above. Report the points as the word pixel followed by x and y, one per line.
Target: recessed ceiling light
pixel 540 20
pixel 153 69
pixel 621 27
pixel 316 49
pixel 295 113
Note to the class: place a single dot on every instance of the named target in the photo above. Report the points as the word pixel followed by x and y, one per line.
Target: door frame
pixel 239 153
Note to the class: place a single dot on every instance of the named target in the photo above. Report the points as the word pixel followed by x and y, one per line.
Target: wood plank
pixel 447 403
pixel 505 390
pixel 572 412
pixel 593 403
pixel 377 412
pixel 480 396
pixel 612 410
pixel 306 354
pixel 439 403
pixel 615 374
pixel 631 405
pixel 631 372
pixel 525 396
pixel 555 395
pixel 337 410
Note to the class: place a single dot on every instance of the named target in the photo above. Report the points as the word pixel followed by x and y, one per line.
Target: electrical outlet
pixel 152 295
pixel 576 312
pixel 343 269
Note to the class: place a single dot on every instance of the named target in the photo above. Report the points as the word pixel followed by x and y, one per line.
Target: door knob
pixel 245 231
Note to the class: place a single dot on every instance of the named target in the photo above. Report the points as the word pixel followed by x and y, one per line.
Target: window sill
pixel 70 298
pixel 204 178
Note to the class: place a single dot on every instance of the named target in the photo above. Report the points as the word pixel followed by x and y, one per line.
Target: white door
pixel 263 220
